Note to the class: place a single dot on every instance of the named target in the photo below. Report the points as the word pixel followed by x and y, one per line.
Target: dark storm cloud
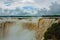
pixel 54 9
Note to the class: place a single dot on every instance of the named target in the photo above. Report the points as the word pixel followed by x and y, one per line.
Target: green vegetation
pixel 51 16
pixel 53 32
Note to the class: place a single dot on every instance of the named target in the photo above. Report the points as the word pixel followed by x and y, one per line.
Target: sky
pixel 15 3
pixel 41 4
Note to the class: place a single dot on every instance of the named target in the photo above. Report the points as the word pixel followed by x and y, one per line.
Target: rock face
pixel 24 29
pixel 43 25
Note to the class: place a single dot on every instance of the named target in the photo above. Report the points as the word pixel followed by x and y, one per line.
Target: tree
pixel 53 32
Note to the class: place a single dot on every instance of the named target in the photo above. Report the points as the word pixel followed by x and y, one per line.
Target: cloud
pixel 26 1
pixel 54 9
pixel 46 3
pixel 15 3
pixel 41 5
pixel 11 4
pixel 24 11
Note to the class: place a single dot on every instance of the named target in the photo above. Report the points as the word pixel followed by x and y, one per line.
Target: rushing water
pixel 17 32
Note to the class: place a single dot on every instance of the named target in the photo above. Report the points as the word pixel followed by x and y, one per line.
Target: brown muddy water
pixel 24 29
